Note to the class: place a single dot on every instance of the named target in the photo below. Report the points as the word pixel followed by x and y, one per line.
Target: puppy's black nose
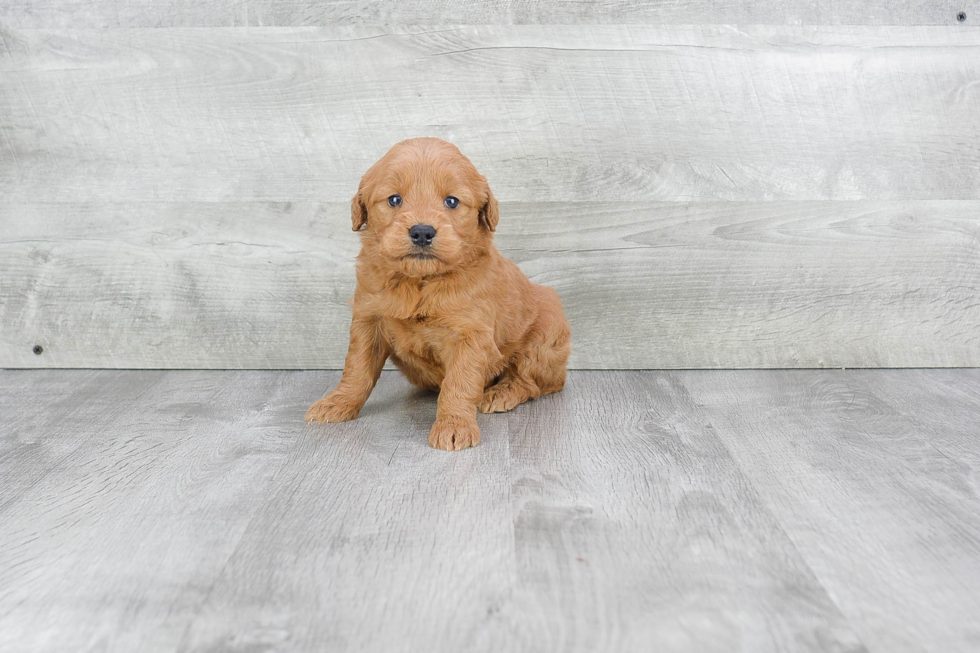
pixel 422 234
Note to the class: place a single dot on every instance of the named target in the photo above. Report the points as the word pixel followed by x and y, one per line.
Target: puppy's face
pixel 424 209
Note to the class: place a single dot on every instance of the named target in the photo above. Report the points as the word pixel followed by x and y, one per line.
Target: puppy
pixel 436 297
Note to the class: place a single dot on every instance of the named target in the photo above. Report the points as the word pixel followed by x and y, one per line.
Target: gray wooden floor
pixel 635 511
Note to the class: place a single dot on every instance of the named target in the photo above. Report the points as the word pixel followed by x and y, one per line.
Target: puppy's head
pixel 424 209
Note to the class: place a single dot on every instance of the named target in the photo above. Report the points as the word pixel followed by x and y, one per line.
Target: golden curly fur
pixel 452 313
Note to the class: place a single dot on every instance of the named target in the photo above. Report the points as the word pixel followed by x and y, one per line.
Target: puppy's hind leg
pixel 539 368
pixel 509 392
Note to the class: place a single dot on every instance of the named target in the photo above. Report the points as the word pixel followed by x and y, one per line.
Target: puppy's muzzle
pixel 422 235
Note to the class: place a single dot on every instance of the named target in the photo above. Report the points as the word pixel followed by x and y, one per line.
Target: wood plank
pixel 116 547
pixel 372 541
pixel 888 520
pixel 645 285
pixel 547 113
pixel 225 13
pixel 607 517
pixel 937 403
pixel 635 531
pixel 42 413
pixel 200 286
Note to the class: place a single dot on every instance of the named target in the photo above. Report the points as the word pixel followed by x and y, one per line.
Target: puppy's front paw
pixel 453 435
pixel 332 408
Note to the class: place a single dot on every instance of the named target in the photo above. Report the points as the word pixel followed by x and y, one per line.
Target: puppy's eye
pixel 452 202
pixel 395 200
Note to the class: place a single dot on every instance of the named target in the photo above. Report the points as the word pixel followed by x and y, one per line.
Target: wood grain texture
pixel 163 192
pixel 116 547
pixel 877 492
pixel 547 113
pixel 209 517
pixel 388 543
pixel 926 400
pixel 625 501
pixel 226 13
pixel 645 285
pixel 41 417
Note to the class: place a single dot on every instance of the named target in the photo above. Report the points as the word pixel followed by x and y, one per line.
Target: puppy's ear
pixel 489 214
pixel 358 212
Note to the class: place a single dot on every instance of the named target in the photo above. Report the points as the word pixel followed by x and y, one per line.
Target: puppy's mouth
pixel 421 256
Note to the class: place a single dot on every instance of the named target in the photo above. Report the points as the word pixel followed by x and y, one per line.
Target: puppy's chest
pixel 417 321
pixel 416 337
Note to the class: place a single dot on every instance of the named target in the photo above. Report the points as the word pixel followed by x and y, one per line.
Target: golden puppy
pixel 435 296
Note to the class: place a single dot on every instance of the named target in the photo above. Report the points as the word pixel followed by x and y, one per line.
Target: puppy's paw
pixel 453 435
pixel 332 408
pixel 503 397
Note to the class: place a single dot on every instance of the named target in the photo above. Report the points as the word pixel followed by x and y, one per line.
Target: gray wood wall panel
pixel 612 113
pixel 239 13
pixel 701 196
pixel 651 285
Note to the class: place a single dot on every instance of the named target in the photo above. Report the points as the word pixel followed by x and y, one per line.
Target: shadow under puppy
pixel 435 296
